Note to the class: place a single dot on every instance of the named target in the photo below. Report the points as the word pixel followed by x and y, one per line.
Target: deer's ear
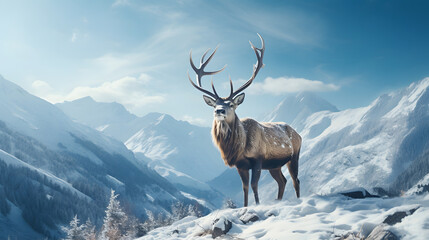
pixel 210 101
pixel 238 99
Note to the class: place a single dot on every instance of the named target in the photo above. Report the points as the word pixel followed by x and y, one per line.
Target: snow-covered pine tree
pixel 229 203
pixel 74 231
pixel 193 210
pixel 115 222
pixel 178 211
pixel 89 230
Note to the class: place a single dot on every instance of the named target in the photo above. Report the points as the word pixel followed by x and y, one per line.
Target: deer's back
pixel 276 142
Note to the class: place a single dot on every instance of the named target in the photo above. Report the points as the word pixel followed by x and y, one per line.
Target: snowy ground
pixel 313 217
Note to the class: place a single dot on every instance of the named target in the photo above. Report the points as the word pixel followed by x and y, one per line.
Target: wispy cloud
pixel 282 85
pixel 289 25
pixel 118 3
pixel 73 37
pixel 41 87
pixel 197 121
pixel 130 91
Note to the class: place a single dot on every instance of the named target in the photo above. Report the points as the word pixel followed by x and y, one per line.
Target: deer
pixel 246 143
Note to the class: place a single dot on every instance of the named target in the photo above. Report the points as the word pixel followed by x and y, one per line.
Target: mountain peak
pixel 9 88
pixel 293 109
pixel 83 110
pixel 87 99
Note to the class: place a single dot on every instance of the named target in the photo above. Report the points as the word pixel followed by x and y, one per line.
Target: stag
pixel 246 143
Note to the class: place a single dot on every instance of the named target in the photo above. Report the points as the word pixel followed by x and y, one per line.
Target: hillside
pixel 366 147
pixel 66 168
pixel 312 217
pixel 179 151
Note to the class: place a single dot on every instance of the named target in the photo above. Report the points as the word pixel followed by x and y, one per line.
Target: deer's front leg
pixel 256 174
pixel 244 175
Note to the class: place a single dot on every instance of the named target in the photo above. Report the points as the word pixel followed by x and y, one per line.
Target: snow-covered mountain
pixel 110 118
pixel 66 168
pixel 369 147
pixel 295 109
pixel 181 152
pixel 366 147
pixel 184 147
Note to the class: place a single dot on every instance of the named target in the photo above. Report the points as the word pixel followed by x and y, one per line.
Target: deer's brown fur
pixel 248 144
pixel 274 143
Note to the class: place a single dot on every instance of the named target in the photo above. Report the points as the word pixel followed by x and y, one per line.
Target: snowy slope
pixel 364 147
pixel 176 149
pixel 312 217
pixel 37 137
pixel 110 118
pixel 181 152
pixel 295 109
pixel 39 119
pixel 15 226
pixel 178 145
pixel 13 161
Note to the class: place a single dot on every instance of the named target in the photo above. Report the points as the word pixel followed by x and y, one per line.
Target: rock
pixel 220 227
pixel 398 216
pixel 271 213
pixel 249 216
pixel 348 236
pixel 379 233
pixel 359 194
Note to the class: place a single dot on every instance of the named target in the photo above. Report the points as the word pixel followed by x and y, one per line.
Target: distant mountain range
pixel 382 147
pixel 182 153
pixel 67 157
pixel 370 147
pixel 295 109
pixel 52 168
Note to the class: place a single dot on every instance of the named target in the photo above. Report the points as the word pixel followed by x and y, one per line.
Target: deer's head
pixel 224 107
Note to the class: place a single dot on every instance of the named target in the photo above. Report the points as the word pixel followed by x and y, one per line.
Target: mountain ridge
pixel 49 150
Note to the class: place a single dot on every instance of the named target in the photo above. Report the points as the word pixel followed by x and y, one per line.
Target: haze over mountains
pixel 53 168
pixel 73 156
pixel 181 152
pixel 365 147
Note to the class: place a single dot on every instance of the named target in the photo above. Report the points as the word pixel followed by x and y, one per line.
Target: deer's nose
pixel 220 111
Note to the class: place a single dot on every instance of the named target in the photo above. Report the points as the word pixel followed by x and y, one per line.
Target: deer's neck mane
pixel 230 138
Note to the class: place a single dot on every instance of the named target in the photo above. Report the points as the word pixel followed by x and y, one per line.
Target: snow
pixel 295 109
pixel 115 181
pixel 157 139
pixel 180 178
pixel 356 147
pixel 15 226
pixel 38 119
pixel 312 217
pixel 13 161
pixel 200 201
pixel 177 146
pixel 416 188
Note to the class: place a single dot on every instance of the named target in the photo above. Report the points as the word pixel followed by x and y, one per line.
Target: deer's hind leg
pixel 280 179
pixel 293 170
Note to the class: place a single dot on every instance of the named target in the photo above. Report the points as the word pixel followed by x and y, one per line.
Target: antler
pixel 259 55
pixel 200 73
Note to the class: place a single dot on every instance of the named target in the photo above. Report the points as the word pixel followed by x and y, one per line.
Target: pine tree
pixel 89 230
pixel 229 203
pixel 74 231
pixel 115 221
pixel 194 211
pixel 179 211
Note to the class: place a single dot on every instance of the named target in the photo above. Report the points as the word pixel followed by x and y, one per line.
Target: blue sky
pixel 136 52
